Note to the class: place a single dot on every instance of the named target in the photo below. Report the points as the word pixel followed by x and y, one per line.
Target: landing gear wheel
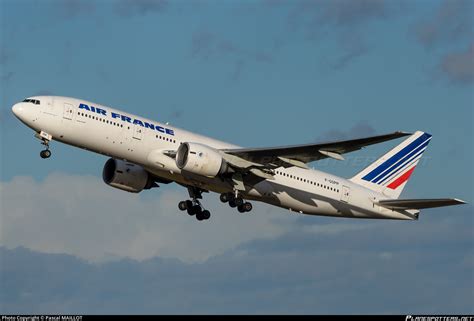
pixel 45 153
pixel 241 209
pixel 224 197
pixel 232 203
pixel 193 206
pixel 239 201
pixel 206 214
pixel 182 205
pixel 190 211
pixel 197 209
pixel 247 206
pixel 189 204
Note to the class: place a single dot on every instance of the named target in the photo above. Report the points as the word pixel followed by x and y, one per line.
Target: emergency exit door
pixel 345 194
pixel 68 111
pixel 137 132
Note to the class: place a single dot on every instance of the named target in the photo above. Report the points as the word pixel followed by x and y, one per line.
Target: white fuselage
pixel 124 136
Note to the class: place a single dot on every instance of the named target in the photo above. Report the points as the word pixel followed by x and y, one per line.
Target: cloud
pixel 84 217
pixel 314 15
pixel 450 26
pixel 458 67
pixel 350 13
pixel 378 267
pixel 73 8
pixel 7 76
pixel 129 8
pixel 359 130
pixel 354 47
pixel 344 19
pixel 451 22
pixel 4 56
pixel 208 46
pixel 202 44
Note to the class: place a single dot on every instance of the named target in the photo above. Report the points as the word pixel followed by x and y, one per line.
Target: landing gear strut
pixel 193 206
pixel 45 139
pixel 235 200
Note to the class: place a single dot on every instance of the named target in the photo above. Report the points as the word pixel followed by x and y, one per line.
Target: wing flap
pixel 411 204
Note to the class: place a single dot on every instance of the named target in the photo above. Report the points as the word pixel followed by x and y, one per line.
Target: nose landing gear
pixel 45 153
pixel 45 139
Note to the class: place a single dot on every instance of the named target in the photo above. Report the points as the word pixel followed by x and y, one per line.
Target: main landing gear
pixel 45 139
pixel 193 206
pixel 236 201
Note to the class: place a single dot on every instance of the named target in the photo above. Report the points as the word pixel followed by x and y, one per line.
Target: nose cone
pixel 18 110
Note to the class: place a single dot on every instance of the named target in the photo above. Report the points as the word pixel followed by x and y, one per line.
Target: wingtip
pixel 402 133
pixel 459 201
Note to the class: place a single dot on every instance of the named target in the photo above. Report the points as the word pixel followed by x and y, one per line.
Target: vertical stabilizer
pixel 390 173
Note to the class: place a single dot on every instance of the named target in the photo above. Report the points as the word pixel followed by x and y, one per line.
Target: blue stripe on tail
pixel 392 160
pixel 403 161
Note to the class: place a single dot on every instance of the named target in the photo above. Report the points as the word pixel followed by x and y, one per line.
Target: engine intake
pixel 126 176
pixel 201 160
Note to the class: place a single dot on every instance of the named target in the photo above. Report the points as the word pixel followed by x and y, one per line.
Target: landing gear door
pixel 137 132
pixel 345 194
pixel 68 111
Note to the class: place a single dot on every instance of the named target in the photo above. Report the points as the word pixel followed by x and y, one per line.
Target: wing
pixel 410 204
pixel 299 155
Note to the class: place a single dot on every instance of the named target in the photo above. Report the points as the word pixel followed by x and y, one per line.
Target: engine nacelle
pixel 200 159
pixel 126 176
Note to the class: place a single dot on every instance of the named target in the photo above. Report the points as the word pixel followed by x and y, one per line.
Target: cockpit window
pixel 33 101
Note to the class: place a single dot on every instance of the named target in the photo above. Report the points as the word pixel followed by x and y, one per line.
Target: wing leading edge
pixel 298 155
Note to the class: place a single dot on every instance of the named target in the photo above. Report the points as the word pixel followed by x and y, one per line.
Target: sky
pixel 253 73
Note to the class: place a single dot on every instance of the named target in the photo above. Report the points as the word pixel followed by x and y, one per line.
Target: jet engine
pixel 126 176
pixel 201 160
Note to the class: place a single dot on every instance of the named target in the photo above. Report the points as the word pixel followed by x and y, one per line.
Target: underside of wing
pixel 419 203
pixel 299 155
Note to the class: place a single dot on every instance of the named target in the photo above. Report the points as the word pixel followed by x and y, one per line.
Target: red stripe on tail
pixel 402 179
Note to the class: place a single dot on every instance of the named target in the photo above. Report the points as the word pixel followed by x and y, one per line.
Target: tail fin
pixel 390 173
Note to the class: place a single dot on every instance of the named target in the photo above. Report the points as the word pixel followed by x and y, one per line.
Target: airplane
pixel 145 153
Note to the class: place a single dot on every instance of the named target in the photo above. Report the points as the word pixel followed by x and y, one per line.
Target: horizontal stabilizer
pixel 413 204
